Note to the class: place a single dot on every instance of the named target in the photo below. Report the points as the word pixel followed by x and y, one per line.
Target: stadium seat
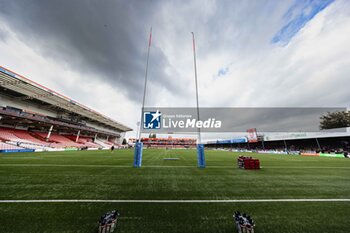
pixel 5 146
pixel 60 141
pixel 21 136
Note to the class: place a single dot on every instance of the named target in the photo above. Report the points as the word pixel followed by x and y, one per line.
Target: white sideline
pixel 173 201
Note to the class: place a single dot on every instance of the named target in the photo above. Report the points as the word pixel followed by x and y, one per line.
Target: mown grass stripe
pixel 157 166
pixel 177 201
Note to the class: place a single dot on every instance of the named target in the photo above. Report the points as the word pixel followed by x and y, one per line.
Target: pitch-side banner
pixel 186 120
pixel 252 135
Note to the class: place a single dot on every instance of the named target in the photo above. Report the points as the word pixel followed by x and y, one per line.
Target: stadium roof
pixel 330 133
pixel 33 90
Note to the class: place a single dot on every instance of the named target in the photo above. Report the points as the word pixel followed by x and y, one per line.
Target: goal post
pixel 156 115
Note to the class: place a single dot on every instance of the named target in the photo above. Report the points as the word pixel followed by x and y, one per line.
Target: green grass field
pixel 102 175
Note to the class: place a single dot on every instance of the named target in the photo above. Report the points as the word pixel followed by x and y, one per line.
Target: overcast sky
pixel 249 53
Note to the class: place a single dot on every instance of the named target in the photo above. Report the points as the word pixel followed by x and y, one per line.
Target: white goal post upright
pixel 145 86
pixel 200 146
pixel 138 144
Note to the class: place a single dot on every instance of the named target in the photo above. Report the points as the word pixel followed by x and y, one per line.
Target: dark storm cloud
pixel 105 38
pixel 3 35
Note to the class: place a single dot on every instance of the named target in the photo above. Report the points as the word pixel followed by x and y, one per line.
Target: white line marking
pixel 173 201
pixel 60 165
pixel 282 167
pixel 87 165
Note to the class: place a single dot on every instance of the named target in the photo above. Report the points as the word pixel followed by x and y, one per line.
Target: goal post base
pixel 138 154
pixel 200 156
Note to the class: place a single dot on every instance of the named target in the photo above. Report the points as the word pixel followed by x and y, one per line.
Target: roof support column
pixel 318 144
pixel 49 133
pixel 76 140
pixel 285 145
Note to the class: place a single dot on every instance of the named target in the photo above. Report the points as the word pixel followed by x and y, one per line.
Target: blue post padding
pixel 138 154
pixel 16 150
pixel 200 156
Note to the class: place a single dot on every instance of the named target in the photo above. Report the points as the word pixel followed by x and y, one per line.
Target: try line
pixel 174 201
pixel 160 166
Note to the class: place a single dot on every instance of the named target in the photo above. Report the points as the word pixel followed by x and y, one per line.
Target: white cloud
pixel 311 71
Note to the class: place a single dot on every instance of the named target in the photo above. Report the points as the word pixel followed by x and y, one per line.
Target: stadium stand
pixel 309 144
pixel 167 142
pixel 35 117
